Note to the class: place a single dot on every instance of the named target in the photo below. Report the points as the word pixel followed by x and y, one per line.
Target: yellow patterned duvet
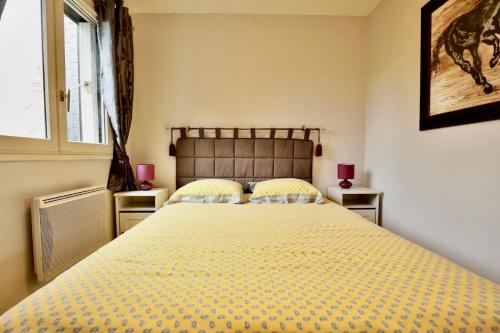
pixel 260 268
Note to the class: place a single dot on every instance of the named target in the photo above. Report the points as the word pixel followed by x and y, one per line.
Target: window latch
pixel 65 96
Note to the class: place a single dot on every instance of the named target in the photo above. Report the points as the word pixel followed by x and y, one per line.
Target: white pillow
pixel 209 191
pixel 287 190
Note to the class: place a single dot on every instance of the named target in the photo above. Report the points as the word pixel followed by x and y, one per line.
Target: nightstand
pixel 133 207
pixel 361 200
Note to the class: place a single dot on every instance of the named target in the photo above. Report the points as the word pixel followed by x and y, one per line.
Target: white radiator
pixel 67 227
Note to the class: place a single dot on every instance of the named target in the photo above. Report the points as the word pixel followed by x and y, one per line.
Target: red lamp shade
pixel 145 172
pixel 345 171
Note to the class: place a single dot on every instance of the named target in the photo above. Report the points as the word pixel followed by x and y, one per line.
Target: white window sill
pixel 52 157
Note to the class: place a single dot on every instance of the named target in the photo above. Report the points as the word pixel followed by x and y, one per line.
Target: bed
pixel 276 268
pixel 260 268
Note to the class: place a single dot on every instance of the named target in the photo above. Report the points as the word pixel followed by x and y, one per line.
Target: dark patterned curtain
pixel 117 84
pixel 2 6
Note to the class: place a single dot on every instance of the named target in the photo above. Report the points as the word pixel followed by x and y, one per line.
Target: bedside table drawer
pixel 369 214
pixel 130 220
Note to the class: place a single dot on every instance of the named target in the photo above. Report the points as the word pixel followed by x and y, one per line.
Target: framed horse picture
pixel 460 72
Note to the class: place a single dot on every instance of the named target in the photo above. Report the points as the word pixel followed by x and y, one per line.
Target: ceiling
pixel 278 7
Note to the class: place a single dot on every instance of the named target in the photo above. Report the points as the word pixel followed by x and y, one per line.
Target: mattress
pixel 260 268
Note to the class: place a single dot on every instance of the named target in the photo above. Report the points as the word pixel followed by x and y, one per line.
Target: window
pixel 50 102
pixel 85 117
pixel 22 71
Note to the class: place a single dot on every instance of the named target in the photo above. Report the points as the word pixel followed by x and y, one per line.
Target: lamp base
pixel 145 186
pixel 345 184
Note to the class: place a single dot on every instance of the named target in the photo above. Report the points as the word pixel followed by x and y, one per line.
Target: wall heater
pixel 66 228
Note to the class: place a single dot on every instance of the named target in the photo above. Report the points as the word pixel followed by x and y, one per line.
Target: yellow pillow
pixel 209 191
pixel 287 190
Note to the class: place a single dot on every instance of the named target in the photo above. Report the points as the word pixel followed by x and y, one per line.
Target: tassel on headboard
pixel 172 151
pixel 319 147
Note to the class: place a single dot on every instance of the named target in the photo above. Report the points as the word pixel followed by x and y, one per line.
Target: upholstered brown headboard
pixel 243 160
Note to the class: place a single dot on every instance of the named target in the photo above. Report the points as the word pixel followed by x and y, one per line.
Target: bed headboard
pixel 243 160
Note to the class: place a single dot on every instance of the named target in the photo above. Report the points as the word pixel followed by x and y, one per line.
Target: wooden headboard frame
pixel 243 160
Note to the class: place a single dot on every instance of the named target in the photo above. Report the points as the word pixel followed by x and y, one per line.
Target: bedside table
pixel 133 207
pixel 361 200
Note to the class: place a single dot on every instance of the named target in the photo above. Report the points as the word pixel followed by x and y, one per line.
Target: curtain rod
pixel 303 128
pixel 183 132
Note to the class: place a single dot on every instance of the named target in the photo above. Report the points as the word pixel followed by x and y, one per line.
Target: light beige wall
pixel 442 186
pixel 21 182
pixel 249 71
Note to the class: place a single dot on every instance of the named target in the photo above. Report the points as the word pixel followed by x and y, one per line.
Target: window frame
pixel 57 142
pixel 64 144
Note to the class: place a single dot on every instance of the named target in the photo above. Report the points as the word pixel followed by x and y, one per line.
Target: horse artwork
pixel 460 72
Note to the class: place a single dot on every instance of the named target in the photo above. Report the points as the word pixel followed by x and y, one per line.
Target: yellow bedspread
pixel 260 268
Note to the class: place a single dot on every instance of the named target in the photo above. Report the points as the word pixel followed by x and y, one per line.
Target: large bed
pixel 260 268
pixel 221 267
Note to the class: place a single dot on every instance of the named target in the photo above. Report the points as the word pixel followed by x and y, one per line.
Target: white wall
pixel 441 186
pixel 249 71
pixel 21 182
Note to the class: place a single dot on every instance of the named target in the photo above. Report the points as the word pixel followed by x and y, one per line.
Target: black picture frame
pixel 480 113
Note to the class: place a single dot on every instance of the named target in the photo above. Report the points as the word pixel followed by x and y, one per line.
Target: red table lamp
pixel 345 172
pixel 145 172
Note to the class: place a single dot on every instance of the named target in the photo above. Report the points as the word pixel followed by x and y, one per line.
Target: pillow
pixel 288 190
pixel 209 191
